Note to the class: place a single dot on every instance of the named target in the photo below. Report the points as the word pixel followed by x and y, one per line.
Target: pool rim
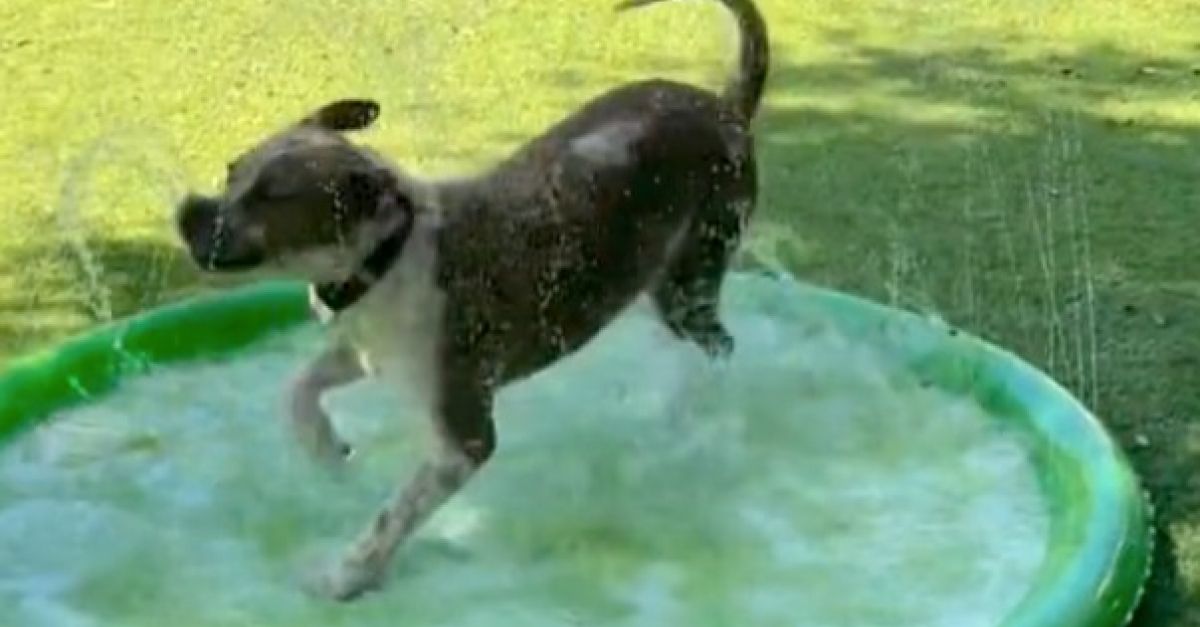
pixel 1101 539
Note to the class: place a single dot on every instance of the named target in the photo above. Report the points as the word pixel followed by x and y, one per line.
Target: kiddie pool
pixel 1098 540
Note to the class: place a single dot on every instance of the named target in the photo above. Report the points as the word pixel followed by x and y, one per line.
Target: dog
pixel 456 288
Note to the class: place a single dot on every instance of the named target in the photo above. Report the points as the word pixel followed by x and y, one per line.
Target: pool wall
pixel 1100 542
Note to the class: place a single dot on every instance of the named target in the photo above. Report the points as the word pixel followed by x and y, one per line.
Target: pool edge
pixel 1118 533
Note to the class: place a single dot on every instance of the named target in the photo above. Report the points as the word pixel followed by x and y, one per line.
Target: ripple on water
pixel 803 483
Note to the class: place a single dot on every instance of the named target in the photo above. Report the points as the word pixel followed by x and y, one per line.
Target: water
pixel 636 485
pixel 147 160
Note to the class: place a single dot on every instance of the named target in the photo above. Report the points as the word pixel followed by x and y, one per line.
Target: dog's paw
pixel 315 434
pixel 336 454
pixel 345 580
pixel 717 344
pixel 333 460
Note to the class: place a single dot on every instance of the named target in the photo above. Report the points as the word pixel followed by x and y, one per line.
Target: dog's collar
pixel 330 299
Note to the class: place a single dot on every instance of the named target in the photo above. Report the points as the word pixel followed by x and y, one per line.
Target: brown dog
pixel 459 287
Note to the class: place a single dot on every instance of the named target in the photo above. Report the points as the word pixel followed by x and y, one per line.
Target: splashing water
pixel 71 227
pixel 806 482
pixel 149 162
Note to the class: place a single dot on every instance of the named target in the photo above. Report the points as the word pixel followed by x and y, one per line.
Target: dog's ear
pixel 344 115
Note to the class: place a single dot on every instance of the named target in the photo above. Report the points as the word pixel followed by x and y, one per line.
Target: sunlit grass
pixel 1026 168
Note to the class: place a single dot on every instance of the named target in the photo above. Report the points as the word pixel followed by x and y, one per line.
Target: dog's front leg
pixel 466 440
pixel 336 366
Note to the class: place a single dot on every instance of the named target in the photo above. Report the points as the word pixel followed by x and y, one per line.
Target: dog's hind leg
pixel 336 366
pixel 687 301
pixel 687 297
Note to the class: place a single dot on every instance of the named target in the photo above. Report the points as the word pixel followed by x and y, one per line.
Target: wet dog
pixel 456 288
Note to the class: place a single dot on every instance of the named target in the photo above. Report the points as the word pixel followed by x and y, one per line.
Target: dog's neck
pixel 332 298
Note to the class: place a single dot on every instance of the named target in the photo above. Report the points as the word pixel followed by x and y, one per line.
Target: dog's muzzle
pixel 212 238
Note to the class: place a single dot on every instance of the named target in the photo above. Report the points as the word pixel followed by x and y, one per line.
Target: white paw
pixel 346 580
pixel 316 436
pixel 333 455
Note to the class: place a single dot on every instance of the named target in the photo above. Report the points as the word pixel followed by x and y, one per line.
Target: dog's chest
pixel 396 327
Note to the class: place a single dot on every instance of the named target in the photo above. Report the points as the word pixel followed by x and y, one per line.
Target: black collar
pixel 337 297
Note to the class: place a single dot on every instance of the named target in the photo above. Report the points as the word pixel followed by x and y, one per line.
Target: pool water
pixel 807 482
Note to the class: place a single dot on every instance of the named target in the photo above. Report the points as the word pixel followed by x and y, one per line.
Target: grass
pixel 1023 168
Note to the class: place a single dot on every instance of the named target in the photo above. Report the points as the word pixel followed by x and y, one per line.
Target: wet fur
pixel 646 189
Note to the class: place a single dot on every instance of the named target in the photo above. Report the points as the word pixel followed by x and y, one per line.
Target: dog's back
pixel 648 186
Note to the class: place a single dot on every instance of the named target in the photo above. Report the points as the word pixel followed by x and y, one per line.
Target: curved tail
pixel 745 89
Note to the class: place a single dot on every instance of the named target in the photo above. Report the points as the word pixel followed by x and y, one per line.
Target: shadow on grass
pixel 1001 195
pixel 66 291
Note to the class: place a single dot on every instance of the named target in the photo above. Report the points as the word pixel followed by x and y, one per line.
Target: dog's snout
pixel 196 218
pixel 214 243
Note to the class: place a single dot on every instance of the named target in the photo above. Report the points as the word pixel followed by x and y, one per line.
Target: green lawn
pixel 1023 168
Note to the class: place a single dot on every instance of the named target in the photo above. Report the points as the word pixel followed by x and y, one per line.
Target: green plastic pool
pixel 1099 543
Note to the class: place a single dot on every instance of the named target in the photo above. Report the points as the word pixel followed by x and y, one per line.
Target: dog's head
pixel 306 202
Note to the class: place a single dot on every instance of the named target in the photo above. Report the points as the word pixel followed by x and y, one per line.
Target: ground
pixel 1023 168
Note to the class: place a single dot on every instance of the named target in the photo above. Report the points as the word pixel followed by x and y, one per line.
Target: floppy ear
pixel 344 115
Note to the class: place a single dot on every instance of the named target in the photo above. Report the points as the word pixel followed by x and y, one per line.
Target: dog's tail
pixel 745 90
